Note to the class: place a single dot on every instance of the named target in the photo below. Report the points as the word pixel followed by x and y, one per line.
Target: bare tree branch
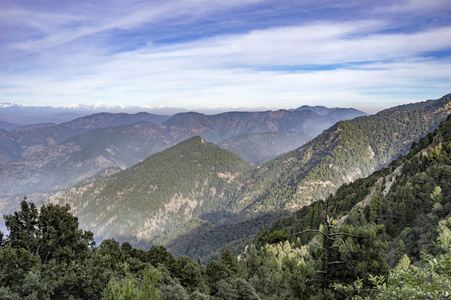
pixel 336 262
pixel 338 240
pixel 346 234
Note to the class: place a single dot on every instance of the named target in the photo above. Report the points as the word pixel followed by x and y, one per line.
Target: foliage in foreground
pixel 406 281
pixel 46 256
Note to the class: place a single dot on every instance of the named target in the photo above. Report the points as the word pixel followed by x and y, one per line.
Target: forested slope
pixel 177 185
pixel 346 151
pixel 166 189
pixel 409 198
pixel 397 216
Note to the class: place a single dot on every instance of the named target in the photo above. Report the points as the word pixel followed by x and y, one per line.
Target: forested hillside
pixel 183 182
pixel 346 151
pixel 189 182
pixel 409 203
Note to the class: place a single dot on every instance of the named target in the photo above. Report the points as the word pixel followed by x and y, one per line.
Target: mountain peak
pixel 322 110
pixel 171 186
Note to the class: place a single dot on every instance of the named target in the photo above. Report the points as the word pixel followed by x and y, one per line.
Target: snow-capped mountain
pixel 27 114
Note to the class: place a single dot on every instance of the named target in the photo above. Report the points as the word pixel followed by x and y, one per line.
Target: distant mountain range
pixel 24 115
pixel 7 125
pixel 196 186
pixel 321 110
pixel 218 127
pixel 46 157
pixel 34 138
pixel 14 115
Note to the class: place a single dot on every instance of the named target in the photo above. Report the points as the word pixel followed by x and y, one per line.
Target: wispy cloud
pixel 62 25
pixel 314 44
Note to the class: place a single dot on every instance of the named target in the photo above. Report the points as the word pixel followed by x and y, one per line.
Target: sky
pixel 225 55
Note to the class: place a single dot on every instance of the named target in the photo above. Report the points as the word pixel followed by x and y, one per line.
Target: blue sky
pixel 228 54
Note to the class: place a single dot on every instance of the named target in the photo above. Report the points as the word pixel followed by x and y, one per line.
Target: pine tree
pixel 375 208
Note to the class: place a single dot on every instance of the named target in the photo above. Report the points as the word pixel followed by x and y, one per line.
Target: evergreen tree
pixel 375 208
pixel 229 260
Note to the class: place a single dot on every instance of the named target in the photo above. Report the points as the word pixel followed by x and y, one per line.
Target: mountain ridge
pixel 409 198
pixel 36 137
pixel 45 157
pixel 348 150
pixel 168 187
pixel 214 127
